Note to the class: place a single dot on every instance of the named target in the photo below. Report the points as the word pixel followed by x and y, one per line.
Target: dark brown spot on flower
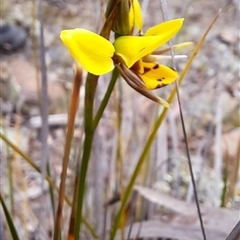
pixel 160 79
pixel 156 66
pixel 146 69
pixel 160 86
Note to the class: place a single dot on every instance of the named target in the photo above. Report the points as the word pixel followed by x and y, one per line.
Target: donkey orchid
pixel 99 56
pixel 135 53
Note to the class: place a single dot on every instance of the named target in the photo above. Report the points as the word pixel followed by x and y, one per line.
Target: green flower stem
pixel 154 132
pixel 104 102
pixel 90 90
pixel 9 220
pixel 47 177
pixel 89 142
pixel 90 126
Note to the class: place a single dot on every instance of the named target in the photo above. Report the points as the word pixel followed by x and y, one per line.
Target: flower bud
pixel 127 15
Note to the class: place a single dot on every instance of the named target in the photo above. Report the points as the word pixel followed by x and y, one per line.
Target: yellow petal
pixel 166 29
pixel 157 75
pixel 135 14
pixel 92 51
pixel 133 48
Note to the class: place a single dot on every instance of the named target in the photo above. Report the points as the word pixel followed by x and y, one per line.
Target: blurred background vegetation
pixel 210 96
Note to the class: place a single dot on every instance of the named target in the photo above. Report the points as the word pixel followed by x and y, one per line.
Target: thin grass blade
pixel 9 220
pixel 70 128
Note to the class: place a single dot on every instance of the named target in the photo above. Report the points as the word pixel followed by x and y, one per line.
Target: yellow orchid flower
pixel 99 56
pixel 134 50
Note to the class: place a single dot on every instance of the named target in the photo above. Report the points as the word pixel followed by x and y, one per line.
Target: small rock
pixel 12 38
pixel 229 36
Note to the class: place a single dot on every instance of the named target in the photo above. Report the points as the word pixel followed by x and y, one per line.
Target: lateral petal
pixel 166 30
pixel 91 50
